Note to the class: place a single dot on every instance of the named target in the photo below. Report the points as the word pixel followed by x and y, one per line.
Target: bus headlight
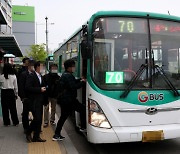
pixel 96 116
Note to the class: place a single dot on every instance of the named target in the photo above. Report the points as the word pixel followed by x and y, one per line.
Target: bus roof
pixel 135 14
pixel 74 34
pixel 124 14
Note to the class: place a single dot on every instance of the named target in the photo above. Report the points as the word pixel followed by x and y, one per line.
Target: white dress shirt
pixel 39 76
pixel 10 83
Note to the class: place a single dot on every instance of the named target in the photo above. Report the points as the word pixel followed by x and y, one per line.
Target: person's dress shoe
pixel 28 138
pixel 38 140
pixel 16 125
pixel 6 125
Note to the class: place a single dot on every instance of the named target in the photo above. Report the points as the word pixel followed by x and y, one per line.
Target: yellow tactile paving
pixel 48 147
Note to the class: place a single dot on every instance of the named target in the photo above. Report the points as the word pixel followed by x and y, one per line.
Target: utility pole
pixel 46 35
pixel 40 24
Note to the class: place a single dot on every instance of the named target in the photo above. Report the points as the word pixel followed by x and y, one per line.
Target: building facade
pixel 8 43
pixel 23 26
pixel 6 9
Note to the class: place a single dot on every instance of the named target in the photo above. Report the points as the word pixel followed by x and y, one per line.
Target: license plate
pixel 151 136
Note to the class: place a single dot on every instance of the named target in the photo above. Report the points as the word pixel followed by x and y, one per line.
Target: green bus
pixel 132 64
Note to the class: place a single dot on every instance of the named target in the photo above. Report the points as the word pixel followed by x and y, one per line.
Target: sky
pixel 66 16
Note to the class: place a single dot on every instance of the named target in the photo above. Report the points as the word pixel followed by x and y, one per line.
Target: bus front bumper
pixel 132 134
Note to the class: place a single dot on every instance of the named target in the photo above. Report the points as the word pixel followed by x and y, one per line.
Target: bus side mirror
pixel 85 49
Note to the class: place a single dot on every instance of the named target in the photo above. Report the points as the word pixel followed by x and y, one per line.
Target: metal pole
pixel 46 35
pixel 36 32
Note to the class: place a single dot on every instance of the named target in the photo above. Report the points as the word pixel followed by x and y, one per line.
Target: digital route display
pixel 164 27
pixel 139 25
pixel 126 25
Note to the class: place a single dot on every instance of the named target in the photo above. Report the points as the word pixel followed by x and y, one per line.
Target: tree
pixel 38 52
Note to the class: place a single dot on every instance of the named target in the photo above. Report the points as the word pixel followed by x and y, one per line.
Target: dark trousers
pixel 37 111
pixel 66 110
pixel 25 114
pixel 8 103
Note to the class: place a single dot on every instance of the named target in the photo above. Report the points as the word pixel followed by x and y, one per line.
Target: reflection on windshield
pixel 121 46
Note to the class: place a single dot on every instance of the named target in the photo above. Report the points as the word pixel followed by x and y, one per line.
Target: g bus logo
pixel 143 97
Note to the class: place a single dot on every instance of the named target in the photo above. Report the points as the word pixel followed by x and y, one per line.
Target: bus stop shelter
pixel 9 45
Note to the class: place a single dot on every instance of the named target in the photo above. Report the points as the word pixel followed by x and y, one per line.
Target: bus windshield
pixel 122 45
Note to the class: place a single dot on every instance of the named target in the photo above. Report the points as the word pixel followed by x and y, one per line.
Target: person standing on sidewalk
pixel 35 90
pixel 23 95
pixel 68 101
pixel 9 94
pixel 23 68
pixel 51 80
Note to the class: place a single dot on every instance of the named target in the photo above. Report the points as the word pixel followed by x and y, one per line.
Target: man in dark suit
pixel 35 91
pixel 23 95
pixel 23 68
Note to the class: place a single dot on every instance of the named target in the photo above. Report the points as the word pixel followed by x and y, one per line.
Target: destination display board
pixel 126 25
pixel 139 25
pixel 164 27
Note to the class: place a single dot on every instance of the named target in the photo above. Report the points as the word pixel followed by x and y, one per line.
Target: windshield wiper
pixel 163 74
pixel 135 78
pixel 169 83
pixel 141 70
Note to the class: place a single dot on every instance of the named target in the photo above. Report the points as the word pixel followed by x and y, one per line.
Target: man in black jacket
pixel 23 68
pixel 23 95
pixel 51 80
pixel 68 100
pixel 35 89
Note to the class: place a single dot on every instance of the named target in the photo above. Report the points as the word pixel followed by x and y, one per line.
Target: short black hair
pixel 69 63
pixel 37 64
pixel 24 59
pixel 53 65
pixel 31 62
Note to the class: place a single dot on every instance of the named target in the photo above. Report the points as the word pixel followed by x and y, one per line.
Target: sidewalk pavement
pixel 13 141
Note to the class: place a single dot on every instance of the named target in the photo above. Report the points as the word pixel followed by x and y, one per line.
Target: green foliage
pixel 38 52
